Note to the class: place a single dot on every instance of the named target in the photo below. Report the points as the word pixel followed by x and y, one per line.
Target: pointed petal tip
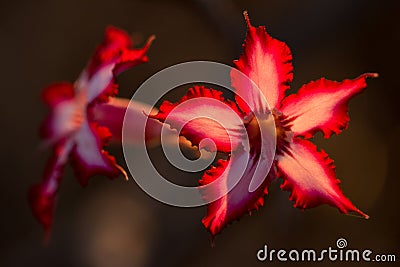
pixel 149 41
pixel 362 214
pixel 123 172
pixel 373 75
pixel 358 213
pixel 351 210
pixel 268 63
pixel 246 17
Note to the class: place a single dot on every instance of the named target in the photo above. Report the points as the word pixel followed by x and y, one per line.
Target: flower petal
pixel 88 156
pixel 111 57
pixel 239 200
pixel 310 176
pixel 42 195
pixel 204 113
pixel 116 49
pixel 267 62
pixel 112 113
pixel 252 167
pixel 57 93
pixel 66 114
pixel 322 106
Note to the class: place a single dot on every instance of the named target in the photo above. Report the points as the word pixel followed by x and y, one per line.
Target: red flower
pixel 318 106
pixel 72 128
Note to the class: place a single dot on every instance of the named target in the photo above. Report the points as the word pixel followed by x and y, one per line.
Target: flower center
pixel 284 134
pixel 282 130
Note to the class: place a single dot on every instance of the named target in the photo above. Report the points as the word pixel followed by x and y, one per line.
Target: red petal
pixel 111 57
pixel 267 62
pixel 42 205
pixel 58 92
pixel 310 176
pixel 88 156
pixel 239 200
pixel 115 49
pixel 202 118
pixel 322 106
pixel 42 195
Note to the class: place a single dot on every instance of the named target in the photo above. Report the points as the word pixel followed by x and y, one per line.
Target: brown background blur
pixel 114 223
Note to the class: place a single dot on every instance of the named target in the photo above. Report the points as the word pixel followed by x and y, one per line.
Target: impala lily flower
pixel 72 128
pixel 307 172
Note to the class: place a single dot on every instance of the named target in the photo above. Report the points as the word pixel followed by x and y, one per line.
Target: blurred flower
pixel 71 128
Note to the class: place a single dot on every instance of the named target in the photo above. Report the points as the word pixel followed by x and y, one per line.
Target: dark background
pixel 114 223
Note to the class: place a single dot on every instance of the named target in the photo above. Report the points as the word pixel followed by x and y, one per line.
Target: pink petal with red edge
pixel 267 62
pixel 67 112
pixel 111 57
pixel 112 113
pixel 322 106
pixel 42 196
pixel 214 120
pixel 116 49
pixel 239 200
pixel 88 156
pixel 310 176
pixel 252 167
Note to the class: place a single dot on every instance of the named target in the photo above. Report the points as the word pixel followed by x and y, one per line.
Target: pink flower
pixel 77 127
pixel 308 173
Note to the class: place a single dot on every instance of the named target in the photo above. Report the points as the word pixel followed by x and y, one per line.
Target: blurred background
pixel 114 223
